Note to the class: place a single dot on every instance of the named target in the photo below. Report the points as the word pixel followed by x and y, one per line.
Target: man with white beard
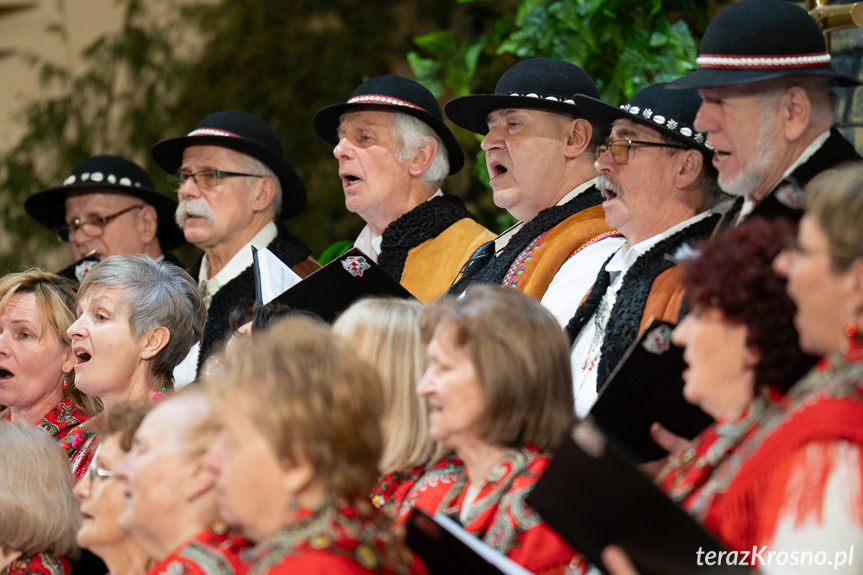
pixel 659 190
pixel 232 183
pixel 766 80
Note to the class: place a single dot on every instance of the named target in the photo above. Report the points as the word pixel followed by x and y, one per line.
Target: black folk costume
pixel 241 291
pixel 425 247
pixel 535 253
pixel 786 199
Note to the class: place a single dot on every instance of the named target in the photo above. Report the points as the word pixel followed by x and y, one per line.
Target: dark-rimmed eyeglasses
pixel 620 148
pixel 206 179
pixel 93 226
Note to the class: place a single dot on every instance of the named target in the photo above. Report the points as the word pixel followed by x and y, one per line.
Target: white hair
pixel 257 167
pixel 411 134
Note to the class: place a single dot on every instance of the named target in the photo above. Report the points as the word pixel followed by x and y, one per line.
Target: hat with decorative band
pixel 670 112
pixel 757 40
pixel 397 94
pixel 245 133
pixel 107 175
pixel 536 83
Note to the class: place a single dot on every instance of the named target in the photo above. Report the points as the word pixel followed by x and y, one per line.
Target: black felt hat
pixel 757 40
pixel 244 133
pixel 394 93
pixel 669 112
pixel 536 83
pixel 107 174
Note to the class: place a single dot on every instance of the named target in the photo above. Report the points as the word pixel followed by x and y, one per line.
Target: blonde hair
pixel 55 296
pixel 309 395
pixel 522 360
pixel 386 333
pixel 834 200
pixel 38 511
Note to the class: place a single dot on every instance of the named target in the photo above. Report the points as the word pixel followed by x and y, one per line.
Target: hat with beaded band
pixel 540 83
pixel 669 112
pixel 245 133
pixel 397 94
pixel 107 174
pixel 757 40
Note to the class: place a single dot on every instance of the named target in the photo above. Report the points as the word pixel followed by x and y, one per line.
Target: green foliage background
pixel 156 78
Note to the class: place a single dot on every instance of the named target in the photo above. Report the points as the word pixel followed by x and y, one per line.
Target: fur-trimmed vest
pixel 240 291
pixel 536 252
pixel 424 248
pixel 787 200
pixel 650 288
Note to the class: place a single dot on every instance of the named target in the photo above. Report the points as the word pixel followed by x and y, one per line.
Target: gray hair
pixel 158 294
pixel 255 166
pixel 39 512
pixel 411 134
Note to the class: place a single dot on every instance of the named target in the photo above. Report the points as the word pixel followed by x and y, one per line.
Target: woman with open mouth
pixel 37 382
pixel 137 319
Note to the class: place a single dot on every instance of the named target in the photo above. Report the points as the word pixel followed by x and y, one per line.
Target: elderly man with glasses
pixel 232 182
pixel 658 189
pixel 107 206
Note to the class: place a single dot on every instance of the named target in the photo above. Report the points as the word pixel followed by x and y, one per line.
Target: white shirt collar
pixel 370 244
pixel 235 266
pixel 627 254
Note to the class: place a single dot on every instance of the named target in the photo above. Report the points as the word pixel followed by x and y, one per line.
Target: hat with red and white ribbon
pixel 244 133
pixel 757 40
pixel 396 94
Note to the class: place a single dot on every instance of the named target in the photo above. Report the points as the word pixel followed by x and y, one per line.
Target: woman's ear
pixel 155 341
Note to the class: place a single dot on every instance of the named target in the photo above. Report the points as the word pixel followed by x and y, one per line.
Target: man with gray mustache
pixel 232 183
pixel 658 189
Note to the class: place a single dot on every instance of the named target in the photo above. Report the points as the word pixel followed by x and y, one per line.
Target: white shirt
pixel 586 350
pixel 749 204
pixel 573 280
pixel 370 244
pixel 186 370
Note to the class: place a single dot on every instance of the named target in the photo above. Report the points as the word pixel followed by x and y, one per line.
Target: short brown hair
pixel 38 511
pixel 308 392
pixel 521 356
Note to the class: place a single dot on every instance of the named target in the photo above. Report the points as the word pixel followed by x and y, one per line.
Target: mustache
pixel 603 183
pixel 196 208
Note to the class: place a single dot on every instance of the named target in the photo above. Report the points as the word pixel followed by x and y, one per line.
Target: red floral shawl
pixel 212 552
pixel 500 517
pixel 41 564
pixel 825 406
pixel 349 537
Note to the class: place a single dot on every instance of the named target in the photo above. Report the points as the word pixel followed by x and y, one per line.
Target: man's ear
pixel 689 168
pixel 264 194
pixel 148 224
pixel 795 111
pixel 578 135
pixel 423 158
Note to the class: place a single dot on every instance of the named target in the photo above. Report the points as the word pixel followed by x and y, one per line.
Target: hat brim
pixel 168 154
pixel 604 115
pixel 48 208
pixel 326 123
pixel 471 112
pixel 716 77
